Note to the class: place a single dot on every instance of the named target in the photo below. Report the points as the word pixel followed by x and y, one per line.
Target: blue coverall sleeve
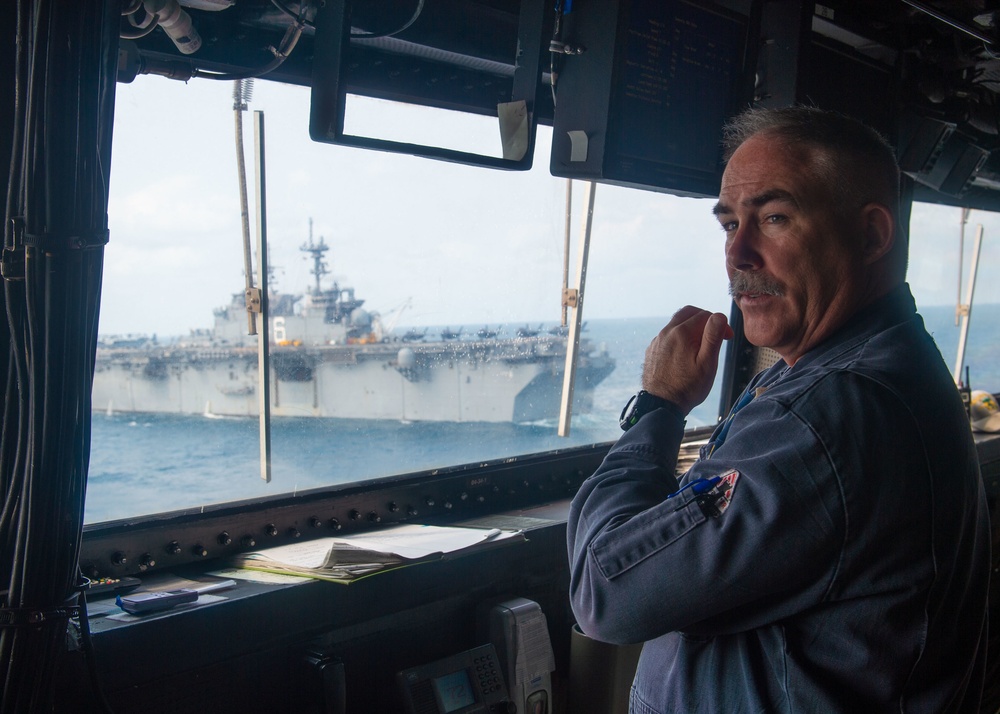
pixel 643 564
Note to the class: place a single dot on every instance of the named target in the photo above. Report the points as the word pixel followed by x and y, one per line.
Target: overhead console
pixel 641 87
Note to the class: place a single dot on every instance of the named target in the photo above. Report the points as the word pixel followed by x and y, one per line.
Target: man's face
pixel 795 270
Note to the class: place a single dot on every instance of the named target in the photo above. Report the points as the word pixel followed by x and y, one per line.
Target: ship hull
pixel 462 381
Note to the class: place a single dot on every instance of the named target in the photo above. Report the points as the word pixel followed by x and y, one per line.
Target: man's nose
pixel 741 249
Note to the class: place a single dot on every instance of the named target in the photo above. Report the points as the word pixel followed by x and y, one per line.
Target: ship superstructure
pixel 332 358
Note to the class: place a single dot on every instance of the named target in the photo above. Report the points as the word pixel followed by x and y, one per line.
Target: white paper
pixel 407 541
pixel 417 541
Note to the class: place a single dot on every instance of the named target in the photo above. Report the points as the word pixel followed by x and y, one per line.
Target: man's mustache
pixel 753 283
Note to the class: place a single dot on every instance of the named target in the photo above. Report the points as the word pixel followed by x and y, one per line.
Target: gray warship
pixel 332 358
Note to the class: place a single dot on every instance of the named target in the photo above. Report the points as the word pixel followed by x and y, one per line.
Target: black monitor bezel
pixel 603 99
pixel 330 86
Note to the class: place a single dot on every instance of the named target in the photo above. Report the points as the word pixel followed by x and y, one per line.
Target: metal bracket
pixel 12 261
pixel 12 264
pixel 570 297
pixel 253 300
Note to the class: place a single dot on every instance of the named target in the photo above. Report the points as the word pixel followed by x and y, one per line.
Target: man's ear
pixel 880 232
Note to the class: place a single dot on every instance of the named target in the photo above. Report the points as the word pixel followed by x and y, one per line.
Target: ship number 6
pixel 279 330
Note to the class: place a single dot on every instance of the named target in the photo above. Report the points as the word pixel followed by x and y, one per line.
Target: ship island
pixel 329 357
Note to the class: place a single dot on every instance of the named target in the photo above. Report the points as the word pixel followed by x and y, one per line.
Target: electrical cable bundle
pixel 56 228
pixel 281 52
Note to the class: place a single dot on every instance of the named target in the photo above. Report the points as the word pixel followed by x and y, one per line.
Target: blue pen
pixel 698 486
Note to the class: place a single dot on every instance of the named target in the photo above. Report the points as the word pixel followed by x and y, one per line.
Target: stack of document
pixel 348 558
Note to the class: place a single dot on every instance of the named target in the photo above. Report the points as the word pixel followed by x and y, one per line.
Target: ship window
pixel 415 313
pixel 942 246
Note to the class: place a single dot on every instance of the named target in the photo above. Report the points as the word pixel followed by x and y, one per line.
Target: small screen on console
pixel 454 690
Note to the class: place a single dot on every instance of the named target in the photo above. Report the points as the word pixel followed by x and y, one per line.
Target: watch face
pixel 640 403
pixel 630 413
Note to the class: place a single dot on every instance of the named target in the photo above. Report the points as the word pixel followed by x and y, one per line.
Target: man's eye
pixel 774 218
pixel 729 226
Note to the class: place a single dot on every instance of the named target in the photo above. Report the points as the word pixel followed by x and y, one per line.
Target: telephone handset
pixel 511 675
pixel 520 632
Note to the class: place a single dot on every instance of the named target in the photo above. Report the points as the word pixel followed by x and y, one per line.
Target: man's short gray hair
pixel 856 161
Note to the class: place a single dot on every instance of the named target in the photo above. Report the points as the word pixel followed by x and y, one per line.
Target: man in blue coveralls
pixel 829 550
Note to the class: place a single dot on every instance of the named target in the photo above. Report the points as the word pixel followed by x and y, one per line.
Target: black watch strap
pixel 641 403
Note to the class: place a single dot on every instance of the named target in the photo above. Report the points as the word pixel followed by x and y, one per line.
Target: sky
pixel 424 242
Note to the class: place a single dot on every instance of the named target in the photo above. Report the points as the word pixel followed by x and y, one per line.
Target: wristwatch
pixel 642 402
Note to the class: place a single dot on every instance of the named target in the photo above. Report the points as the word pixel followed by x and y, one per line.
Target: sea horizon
pixel 151 463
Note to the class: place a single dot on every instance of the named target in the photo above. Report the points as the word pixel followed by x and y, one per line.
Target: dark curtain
pixel 58 143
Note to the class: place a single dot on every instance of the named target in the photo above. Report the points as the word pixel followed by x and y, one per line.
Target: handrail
pixel 263 347
pixel 965 309
pixel 573 298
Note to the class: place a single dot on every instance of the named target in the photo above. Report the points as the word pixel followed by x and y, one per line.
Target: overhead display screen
pixel 646 108
pixel 680 67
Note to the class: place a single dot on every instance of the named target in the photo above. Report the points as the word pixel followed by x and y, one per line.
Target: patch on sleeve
pixel 716 500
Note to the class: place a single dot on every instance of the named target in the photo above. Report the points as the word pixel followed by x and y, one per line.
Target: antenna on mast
pixel 320 268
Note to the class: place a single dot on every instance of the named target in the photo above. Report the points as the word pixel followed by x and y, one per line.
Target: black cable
pixel 248 74
pixel 88 654
pixel 556 42
pixel 288 42
pixel 372 35
pixel 15 415
pixel 60 190
pixel 281 53
pixel 14 509
pixel 17 402
pixel 298 17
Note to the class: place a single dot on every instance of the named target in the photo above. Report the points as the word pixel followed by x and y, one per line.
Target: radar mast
pixel 320 267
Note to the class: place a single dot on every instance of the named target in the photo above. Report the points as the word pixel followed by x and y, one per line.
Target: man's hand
pixel 682 360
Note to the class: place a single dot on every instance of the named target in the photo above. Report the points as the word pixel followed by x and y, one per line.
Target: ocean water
pixel 147 463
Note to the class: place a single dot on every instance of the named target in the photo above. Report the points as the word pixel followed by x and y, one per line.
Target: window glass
pixel 415 306
pixel 938 252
